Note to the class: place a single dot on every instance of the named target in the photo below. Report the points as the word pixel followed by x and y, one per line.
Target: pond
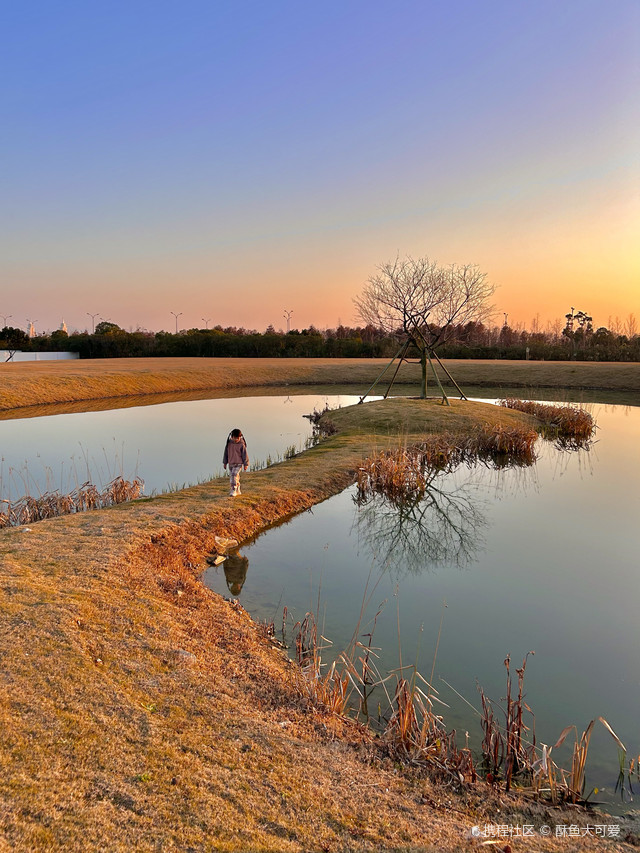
pixel 170 445
pixel 543 559
pixel 171 441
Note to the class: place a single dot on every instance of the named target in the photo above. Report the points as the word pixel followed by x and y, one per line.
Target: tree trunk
pixel 423 383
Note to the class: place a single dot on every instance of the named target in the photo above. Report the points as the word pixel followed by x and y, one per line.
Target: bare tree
pixel 631 326
pixel 422 302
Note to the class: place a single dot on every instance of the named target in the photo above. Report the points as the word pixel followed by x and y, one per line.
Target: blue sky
pixel 231 160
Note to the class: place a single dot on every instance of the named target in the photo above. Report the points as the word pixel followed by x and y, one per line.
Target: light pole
pixel 287 317
pixel 176 316
pixel 506 317
pixel 93 321
pixel 206 322
pixel 8 317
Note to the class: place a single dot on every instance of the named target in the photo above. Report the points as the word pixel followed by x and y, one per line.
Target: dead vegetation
pixel 512 758
pixel 570 423
pixel 407 473
pixel 413 732
pixel 29 509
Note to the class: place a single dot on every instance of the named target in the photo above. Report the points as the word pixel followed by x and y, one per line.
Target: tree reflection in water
pixel 443 527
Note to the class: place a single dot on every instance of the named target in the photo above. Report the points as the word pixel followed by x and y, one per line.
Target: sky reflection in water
pixel 168 445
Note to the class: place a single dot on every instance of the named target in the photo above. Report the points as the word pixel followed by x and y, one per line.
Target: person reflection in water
pixel 235 572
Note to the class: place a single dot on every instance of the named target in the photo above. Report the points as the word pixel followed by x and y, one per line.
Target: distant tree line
pixel 577 340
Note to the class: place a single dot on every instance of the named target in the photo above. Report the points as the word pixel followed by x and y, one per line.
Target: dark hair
pixel 236 433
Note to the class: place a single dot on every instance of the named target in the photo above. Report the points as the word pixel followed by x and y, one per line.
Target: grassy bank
pixel 138 710
pixel 27 384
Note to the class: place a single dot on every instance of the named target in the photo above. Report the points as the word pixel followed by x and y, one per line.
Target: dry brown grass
pixel 563 421
pixel 139 711
pixel 406 473
pixel 399 419
pixel 30 509
pixel 40 383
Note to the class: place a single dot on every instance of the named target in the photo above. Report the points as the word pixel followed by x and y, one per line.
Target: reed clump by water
pixel 564 421
pixel 322 425
pixel 414 733
pixel 29 509
pixel 510 756
pixel 417 734
pixel 411 730
pixel 406 473
pixel 507 753
pixel 330 690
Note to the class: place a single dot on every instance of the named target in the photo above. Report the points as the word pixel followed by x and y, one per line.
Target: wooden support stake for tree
pixel 400 360
pixel 463 396
pixel 445 399
pixel 371 387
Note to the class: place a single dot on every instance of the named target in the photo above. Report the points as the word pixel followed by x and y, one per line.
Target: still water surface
pixel 168 445
pixel 543 559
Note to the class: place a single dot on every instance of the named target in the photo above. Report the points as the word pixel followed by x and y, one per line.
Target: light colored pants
pixel 234 479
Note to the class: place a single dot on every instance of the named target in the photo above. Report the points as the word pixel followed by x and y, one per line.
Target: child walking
pixel 237 458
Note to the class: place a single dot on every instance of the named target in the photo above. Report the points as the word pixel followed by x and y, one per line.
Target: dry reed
pixel 413 732
pixel 323 426
pixel 28 509
pixel 405 474
pixel 569 785
pixel 506 753
pixel 567 422
pixel 624 783
pixel 417 734
pixel 509 756
pixel 331 690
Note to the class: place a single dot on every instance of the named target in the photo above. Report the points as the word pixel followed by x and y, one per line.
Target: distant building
pixel 63 327
pixel 32 331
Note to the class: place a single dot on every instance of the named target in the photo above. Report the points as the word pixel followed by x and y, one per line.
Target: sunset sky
pixel 230 160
